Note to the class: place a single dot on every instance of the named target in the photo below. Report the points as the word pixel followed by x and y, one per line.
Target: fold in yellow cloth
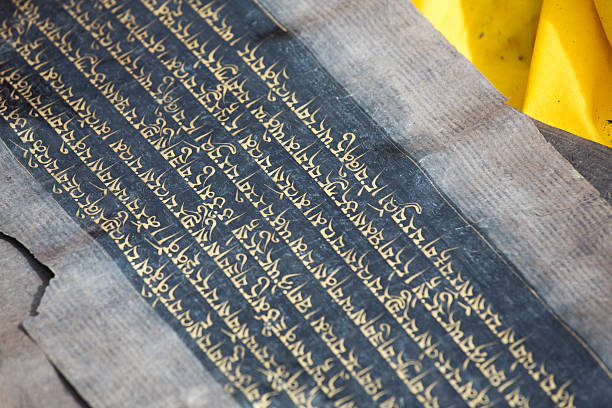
pixel 551 58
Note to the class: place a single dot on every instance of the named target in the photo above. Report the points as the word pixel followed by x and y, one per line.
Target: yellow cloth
pixel 551 58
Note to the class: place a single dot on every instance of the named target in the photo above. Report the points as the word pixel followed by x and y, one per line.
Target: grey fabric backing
pixel 592 160
pixel 27 379
pixel 111 345
pixel 489 159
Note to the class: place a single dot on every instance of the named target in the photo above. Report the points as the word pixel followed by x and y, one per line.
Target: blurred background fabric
pixel 551 58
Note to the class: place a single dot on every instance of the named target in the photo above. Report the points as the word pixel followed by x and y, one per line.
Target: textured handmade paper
pixel 226 219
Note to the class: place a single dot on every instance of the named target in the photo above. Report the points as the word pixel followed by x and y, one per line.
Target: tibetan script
pixel 302 257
